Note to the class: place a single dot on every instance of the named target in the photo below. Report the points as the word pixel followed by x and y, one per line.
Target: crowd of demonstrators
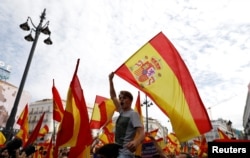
pixel 12 149
pixel 129 134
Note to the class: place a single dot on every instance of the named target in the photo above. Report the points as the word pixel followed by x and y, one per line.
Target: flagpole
pixel 146 103
pixel 54 128
pixel 54 131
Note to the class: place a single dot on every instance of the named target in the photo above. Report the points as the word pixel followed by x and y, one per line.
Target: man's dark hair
pixel 127 94
pixel 30 149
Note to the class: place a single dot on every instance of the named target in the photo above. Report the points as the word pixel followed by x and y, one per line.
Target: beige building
pixel 8 94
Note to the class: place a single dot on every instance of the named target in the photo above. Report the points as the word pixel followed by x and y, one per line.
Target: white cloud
pixel 211 36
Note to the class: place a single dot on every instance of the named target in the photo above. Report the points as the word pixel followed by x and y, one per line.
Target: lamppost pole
pixel 147 104
pixel 38 30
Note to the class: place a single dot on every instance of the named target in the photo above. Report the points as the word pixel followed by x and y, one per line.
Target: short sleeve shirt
pixel 126 125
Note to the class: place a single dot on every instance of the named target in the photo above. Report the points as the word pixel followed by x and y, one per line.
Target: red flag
pixel 50 150
pixel 96 122
pixel 43 131
pixel 138 110
pixel 158 70
pixel 222 135
pixel 172 139
pixel 108 135
pixel 74 130
pixel 23 133
pixel 57 105
pixel 138 106
pixel 202 144
pixel 173 143
pixel 35 132
pixel 107 109
pixel 103 111
pixel 153 133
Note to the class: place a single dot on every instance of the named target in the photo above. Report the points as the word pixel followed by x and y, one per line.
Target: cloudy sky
pixel 213 38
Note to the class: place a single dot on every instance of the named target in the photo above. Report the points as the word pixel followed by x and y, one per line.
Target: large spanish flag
pixel 57 104
pixel 158 70
pixel 74 130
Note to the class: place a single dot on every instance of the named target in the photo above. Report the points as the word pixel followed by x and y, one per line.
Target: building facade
pixel 8 94
pixel 37 108
pixel 246 116
pixel 226 127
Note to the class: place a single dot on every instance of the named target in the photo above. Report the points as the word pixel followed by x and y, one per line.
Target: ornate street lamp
pixel 147 103
pixel 37 29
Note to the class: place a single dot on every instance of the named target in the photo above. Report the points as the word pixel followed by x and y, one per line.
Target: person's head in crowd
pixel 109 151
pixel 125 99
pixel 11 147
pixel 4 153
pixel 29 150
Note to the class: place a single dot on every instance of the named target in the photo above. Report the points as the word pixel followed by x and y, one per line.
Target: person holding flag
pixel 128 123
